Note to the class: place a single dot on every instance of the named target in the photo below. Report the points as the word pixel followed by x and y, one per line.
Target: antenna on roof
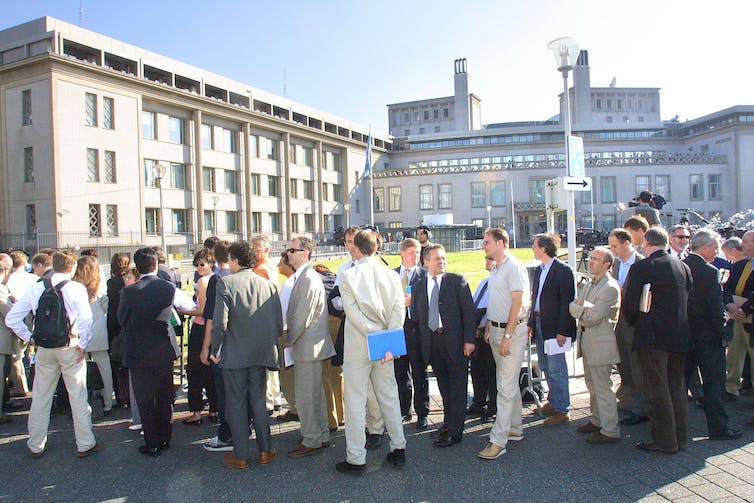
pixel 81 12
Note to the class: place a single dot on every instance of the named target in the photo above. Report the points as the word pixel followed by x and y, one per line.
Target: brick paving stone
pixel 745 491
pixel 710 491
pixel 673 491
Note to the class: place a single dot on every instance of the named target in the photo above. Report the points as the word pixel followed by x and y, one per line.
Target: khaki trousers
pixel 734 359
pixel 507 371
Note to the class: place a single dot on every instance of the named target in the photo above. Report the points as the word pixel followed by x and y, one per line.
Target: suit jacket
pixel 372 300
pixel 146 339
pixel 308 329
pixel 557 293
pixel 705 305
pixel 735 274
pixel 665 327
pixel 409 324
pixel 172 275
pixel 247 320
pixel 457 313
pixel 596 337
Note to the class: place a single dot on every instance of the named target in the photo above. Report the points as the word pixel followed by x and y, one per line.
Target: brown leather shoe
pixel 231 461
pixel 302 451
pixel 266 457
pixel 557 418
pixel 288 416
pixel 588 427
pixel 549 410
pixel 95 448
pixel 598 438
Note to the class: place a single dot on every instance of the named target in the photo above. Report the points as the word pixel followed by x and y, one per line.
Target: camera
pixel 657 201
pixel 589 238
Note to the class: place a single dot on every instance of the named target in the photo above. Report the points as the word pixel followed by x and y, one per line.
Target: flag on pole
pixel 368 163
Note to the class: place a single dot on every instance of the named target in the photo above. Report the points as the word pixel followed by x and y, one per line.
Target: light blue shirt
pixel 542 278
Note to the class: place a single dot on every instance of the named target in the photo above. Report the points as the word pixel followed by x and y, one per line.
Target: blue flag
pixel 368 163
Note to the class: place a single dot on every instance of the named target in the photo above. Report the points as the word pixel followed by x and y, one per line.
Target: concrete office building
pixel 86 122
pixel 446 166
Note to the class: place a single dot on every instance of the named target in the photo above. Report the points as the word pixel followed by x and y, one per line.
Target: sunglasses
pixel 682 236
pixel 293 250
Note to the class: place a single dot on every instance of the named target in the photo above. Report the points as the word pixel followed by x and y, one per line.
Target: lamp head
pixel 566 51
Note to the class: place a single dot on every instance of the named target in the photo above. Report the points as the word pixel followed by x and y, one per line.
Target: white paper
pixel 552 347
pixel 288 357
pixel 588 304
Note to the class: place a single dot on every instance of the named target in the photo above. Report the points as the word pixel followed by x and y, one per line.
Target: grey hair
pixel 704 237
pixel 657 236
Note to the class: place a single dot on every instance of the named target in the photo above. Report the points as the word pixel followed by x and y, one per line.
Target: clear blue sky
pixel 353 58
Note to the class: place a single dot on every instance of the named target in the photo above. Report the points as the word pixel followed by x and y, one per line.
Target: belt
pixel 498 325
pixel 439 331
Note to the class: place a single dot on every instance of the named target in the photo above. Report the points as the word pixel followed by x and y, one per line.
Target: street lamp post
pixel 566 51
pixel 215 200
pixel 160 170
pixel 489 217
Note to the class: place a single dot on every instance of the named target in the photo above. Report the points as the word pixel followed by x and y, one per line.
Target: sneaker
pixel 216 445
pixel 492 451
pixel 515 437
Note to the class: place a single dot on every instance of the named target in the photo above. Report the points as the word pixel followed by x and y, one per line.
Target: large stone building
pixel 89 124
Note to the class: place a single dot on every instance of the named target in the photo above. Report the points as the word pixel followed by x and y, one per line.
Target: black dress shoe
pixel 407 418
pixel 441 431
pixel 421 423
pixel 348 468
pixel 727 434
pixel 488 417
pixel 447 441
pixel 164 446
pixel 373 442
pixel 397 457
pixel 149 451
pixel 475 411
pixel 633 419
pixel 652 447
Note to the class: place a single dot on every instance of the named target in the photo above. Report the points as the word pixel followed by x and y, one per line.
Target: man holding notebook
pixel 373 301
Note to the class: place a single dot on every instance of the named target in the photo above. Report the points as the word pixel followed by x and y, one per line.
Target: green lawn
pixel 470 264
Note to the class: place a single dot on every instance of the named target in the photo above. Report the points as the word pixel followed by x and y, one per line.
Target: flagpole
pixel 368 168
pixel 513 216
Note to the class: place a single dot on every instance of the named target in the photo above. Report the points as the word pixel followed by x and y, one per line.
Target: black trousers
pixel 665 385
pixel 153 389
pixel 452 379
pixel 417 383
pixel 709 353
pixel 198 375
pixel 483 375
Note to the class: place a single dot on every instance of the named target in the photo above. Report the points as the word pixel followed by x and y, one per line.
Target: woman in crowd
pixel 199 376
pixel 87 273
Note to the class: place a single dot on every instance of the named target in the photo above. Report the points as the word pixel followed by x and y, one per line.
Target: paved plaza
pixel 551 464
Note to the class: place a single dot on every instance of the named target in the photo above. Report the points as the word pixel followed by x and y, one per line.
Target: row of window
pixel 425 115
pixel 230 221
pixel 91 111
pixel 97 221
pixel 620 105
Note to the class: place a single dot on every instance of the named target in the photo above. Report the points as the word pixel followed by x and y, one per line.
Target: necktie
pixel 741 285
pixel 434 307
pixel 616 269
pixel 481 294
pixel 404 279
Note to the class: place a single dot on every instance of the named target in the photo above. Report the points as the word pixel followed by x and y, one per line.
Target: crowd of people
pixel 657 304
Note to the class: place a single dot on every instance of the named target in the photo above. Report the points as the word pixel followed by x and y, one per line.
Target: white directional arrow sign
pixel 582 183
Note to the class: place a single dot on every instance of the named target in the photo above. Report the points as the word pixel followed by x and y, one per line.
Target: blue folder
pixel 386 340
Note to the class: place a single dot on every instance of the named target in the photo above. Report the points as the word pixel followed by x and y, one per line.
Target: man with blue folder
pixel 373 301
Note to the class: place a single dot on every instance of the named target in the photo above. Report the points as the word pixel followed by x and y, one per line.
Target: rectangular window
pixel 95 220
pixel 29 165
pixel 696 187
pixel 209 221
pixel 435 114
pixel 608 189
pixel 336 162
pixel 478 194
pixel 230 181
pixel 642 183
pixel 26 107
pixel 294 223
pixel 91 109
pixel 149 173
pixel 537 191
pixel 92 165
pixel 309 157
pixel 394 200
pixel 31 218
pixel 357 206
pixel 336 192
pixel 256 221
pixel 714 187
pixel 294 188
pixel 308 189
pixel 110 174
pixel 231 221
pixel 177 175
pixel 308 225
pixel 208 179
pixel 326 194
pixel 255 184
pixel 178 218
pixel 108 113
pixel 271 148
pixel 253 145
pixel 152 220
pixel 148 125
pixel 176 130
pixel 229 141
pixel 379 199
pixel 662 186
pixel 426 200
pixel 274 222
pixel 444 197
pixel 273 186
pixel 445 113
pixel 111 219
pixel 426 115
pixel 206 137
pixel 608 222
pixel 497 193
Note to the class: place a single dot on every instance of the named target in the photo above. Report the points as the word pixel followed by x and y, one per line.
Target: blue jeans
pixel 556 372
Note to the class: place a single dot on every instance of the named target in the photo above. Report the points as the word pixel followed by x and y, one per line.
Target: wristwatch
pixel 507 335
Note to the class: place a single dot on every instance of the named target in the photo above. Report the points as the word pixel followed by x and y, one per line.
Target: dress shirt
pixel 407 270
pixel 542 278
pixel 430 287
pixel 337 302
pixel 75 300
pixel 285 297
pixel 19 281
pixel 625 267
pixel 181 300
pixel 679 255
pixel 297 274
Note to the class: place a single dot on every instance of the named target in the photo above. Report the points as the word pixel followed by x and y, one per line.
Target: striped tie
pixel 741 285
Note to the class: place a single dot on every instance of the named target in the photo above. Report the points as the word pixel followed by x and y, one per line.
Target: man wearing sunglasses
pixel 679 241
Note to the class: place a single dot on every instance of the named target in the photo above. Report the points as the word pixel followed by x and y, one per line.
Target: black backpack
pixel 51 326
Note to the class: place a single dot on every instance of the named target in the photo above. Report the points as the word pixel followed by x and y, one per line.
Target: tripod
pixel 583 264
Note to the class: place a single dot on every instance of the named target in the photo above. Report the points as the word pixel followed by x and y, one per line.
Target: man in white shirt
pixel 679 241
pixel 68 360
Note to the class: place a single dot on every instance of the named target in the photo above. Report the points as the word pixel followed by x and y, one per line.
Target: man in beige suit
pixel 309 339
pixel 372 300
pixel 596 310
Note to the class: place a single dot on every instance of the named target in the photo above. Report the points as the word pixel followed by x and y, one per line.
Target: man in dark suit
pixel 740 285
pixel 552 291
pixel 246 324
pixel 410 273
pixel 144 313
pixel 444 310
pixel 661 338
pixel 707 325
